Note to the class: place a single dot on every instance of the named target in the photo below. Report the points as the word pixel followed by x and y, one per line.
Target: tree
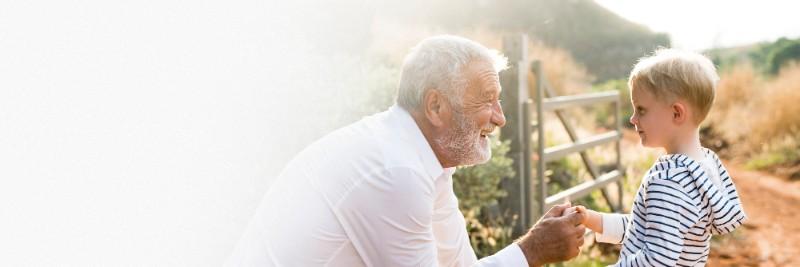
pixel 786 50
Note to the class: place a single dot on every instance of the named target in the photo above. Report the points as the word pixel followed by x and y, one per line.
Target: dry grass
pixel 780 107
pixel 563 73
pixel 758 116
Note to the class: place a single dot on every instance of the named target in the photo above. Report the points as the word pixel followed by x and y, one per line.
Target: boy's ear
pixel 680 113
pixel 433 105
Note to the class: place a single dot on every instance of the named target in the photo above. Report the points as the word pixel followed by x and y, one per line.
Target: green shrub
pixel 783 52
pixel 478 189
pixel 780 153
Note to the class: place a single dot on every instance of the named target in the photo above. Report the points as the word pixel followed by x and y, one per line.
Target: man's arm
pixel 389 223
pixel 554 238
pixel 511 255
pixel 388 219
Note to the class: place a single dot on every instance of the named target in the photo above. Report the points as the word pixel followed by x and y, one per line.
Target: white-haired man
pixel 379 192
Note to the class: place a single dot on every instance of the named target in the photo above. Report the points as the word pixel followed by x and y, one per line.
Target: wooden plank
pixel 560 151
pixel 540 164
pixel 583 189
pixel 618 147
pixel 562 102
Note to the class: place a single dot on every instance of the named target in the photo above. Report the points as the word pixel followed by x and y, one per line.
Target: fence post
pixel 541 185
pixel 618 121
pixel 514 82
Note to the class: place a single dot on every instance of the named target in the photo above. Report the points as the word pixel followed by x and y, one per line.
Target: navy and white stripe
pixel 675 212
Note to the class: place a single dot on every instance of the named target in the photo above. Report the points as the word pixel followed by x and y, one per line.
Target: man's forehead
pixel 485 76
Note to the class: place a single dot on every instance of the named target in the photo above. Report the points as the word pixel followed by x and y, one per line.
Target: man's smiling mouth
pixel 485 132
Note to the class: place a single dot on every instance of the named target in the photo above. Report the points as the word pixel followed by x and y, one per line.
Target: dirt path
pixel 771 236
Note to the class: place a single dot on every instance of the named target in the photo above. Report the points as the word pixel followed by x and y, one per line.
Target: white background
pixel 145 132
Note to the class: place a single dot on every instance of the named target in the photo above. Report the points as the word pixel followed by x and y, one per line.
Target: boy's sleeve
pixel 730 208
pixel 669 212
pixel 614 228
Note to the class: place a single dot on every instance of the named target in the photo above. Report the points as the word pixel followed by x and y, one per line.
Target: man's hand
pixel 554 238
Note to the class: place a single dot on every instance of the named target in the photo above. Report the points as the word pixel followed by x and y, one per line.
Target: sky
pixel 698 25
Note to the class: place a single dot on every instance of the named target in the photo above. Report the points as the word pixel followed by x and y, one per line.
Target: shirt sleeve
pixel 509 256
pixel 388 219
pixel 614 228
pixel 669 213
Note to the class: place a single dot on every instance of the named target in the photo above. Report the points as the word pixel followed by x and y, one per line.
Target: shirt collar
pixel 420 144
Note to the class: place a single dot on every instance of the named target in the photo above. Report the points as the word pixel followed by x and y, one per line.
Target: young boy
pixel 687 195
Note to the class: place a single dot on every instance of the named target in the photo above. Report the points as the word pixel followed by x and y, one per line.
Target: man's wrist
pixel 531 257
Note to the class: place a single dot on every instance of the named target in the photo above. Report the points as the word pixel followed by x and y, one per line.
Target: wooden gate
pixel 528 197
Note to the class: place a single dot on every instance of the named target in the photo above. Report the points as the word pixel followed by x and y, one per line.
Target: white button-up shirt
pixel 369 194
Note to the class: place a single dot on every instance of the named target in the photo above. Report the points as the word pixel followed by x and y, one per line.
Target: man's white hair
pixel 437 63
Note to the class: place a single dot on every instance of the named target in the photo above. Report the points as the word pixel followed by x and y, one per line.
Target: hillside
pixel 606 43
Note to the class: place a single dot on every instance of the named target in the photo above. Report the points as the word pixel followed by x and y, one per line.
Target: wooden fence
pixel 525 121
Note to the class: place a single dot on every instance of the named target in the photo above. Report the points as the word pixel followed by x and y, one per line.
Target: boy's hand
pixel 576 209
pixel 591 219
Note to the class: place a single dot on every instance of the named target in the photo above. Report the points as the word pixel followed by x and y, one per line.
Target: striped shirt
pixel 679 205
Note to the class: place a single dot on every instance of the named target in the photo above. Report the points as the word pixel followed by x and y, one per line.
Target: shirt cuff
pixel 509 256
pixel 613 228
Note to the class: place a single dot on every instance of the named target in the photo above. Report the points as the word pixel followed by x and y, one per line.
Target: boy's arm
pixel 594 221
pixel 608 227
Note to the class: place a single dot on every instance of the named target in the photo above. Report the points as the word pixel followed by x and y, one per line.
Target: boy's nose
pixel 632 120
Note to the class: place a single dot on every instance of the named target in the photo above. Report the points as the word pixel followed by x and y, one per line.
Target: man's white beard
pixel 464 143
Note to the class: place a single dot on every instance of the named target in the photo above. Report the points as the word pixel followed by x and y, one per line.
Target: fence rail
pixel 562 102
pixel 561 151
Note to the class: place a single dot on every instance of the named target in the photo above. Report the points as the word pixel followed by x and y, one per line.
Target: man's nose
pixel 632 120
pixel 498 118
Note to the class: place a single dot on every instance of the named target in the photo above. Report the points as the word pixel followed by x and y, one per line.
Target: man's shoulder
pixel 378 138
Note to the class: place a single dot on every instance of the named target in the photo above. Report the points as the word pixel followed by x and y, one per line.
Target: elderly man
pixel 379 192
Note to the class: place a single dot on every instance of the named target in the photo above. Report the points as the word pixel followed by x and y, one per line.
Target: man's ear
pixel 433 105
pixel 679 112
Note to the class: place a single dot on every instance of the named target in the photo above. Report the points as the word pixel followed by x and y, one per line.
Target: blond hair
pixel 671 74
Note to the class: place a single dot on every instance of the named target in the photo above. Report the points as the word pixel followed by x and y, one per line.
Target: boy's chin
pixel 645 143
pixel 651 145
